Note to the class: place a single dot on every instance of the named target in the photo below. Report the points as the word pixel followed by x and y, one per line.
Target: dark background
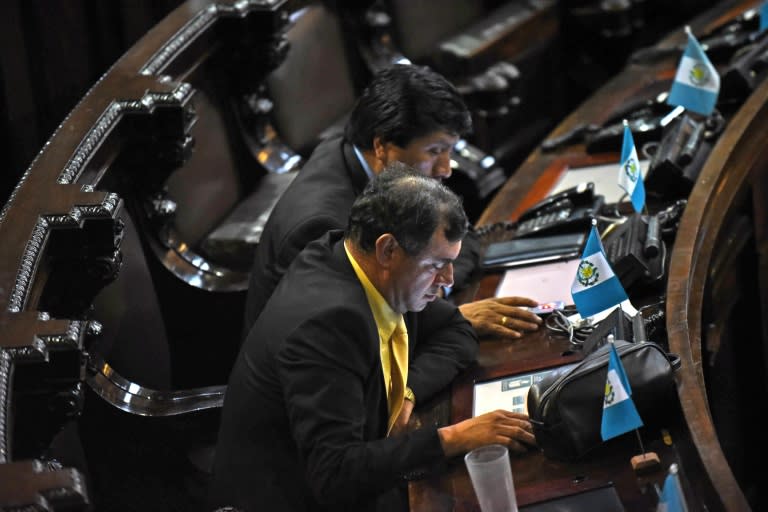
pixel 51 53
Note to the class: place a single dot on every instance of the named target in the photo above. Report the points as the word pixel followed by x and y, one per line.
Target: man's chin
pixel 428 297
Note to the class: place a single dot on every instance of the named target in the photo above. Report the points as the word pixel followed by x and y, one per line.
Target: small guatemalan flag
pixel 619 412
pixel 697 83
pixel 595 287
pixel 672 498
pixel 763 16
pixel 630 175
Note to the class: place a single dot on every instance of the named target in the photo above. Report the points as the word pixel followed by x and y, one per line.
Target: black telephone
pixel 569 211
pixel 637 252
pixel 747 70
pixel 682 152
pixel 646 125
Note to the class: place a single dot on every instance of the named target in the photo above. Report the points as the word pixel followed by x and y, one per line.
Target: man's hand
pixel 502 316
pixel 511 429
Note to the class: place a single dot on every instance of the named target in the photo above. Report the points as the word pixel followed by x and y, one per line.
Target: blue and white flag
pixel 619 412
pixel 697 83
pixel 630 175
pixel 763 16
pixel 595 287
pixel 672 498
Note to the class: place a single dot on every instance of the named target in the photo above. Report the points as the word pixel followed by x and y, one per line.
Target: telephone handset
pixel 568 211
pixel 636 251
pixel 646 125
pixel 678 158
pixel 746 71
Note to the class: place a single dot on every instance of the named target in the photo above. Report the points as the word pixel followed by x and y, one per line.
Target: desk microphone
pixel 652 242
pixel 638 328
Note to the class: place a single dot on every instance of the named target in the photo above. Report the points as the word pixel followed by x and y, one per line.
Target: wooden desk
pixel 536 477
pixel 724 223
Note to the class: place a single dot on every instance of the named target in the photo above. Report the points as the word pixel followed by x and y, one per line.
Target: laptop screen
pixel 509 393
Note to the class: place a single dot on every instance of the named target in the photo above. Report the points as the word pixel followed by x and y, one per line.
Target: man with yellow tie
pixel 319 398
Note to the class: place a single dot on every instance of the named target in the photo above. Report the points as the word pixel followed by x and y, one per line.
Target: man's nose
pixel 442 167
pixel 445 276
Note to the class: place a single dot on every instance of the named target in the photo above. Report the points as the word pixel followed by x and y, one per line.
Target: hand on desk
pixel 501 316
pixel 511 429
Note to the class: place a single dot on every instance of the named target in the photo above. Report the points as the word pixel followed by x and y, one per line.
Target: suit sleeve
pixel 466 266
pixel 325 368
pixel 445 343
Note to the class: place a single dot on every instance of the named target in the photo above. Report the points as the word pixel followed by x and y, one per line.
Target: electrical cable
pixel 559 323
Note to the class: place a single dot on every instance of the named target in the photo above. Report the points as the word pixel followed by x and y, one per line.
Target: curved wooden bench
pixel 101 239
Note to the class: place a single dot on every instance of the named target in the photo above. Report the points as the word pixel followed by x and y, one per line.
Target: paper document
pixel 626 306
pixel 605 177
pixel 548 282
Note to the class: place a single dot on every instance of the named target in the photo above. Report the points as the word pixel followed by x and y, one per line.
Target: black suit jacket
pixel 305 415
pixel 318 200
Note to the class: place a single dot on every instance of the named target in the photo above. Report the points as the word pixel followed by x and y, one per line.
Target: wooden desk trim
pixel 736 160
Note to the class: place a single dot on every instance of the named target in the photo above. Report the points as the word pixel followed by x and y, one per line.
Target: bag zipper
pixel 574 372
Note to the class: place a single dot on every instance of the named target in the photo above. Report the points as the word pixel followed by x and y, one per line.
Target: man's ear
pixel 379 149
pixel 386 248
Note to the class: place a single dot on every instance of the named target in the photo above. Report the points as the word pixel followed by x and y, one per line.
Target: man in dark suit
pixel 313 419
pixel 409 114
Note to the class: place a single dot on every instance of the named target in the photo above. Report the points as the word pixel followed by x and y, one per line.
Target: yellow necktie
pixel 398 369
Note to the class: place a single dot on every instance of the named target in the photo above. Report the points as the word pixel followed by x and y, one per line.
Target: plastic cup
pixel 491 475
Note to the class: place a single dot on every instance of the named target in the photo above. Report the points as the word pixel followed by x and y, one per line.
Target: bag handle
pixel 674 361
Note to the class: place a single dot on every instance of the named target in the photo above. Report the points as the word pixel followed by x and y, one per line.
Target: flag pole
pixel 646 462
pixel 640 441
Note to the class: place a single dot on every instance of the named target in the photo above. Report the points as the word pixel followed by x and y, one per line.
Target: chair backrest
pixel 305 99
pixel 314 88
pixel 209 177
pixel 133 337
pixel 419 25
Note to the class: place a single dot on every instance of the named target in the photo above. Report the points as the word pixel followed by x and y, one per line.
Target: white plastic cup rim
pixel 486 454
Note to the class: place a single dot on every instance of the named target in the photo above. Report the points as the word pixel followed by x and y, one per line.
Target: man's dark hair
pixel 408 205
pixel 404 102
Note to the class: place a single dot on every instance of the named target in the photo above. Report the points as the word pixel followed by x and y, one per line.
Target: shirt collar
pixel 363 162
pixel 385 317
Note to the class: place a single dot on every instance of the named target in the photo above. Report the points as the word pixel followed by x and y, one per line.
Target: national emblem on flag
pixel 630 175
pixel 619 412
pixel 697 84
pixel 595 287
pixel 672 498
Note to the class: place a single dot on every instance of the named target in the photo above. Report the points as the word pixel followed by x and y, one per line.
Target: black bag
pixel 566 407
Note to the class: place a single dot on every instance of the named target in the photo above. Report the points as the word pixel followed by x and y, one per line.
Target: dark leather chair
pixel 302 101
pixel 315 87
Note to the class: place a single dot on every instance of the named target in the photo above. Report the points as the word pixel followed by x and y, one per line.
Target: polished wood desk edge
pixel 738 156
